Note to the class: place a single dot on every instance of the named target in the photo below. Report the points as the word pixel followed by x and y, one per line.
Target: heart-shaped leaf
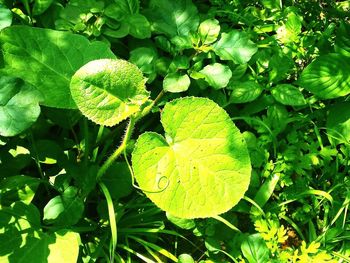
pixel 201 167
pixel 108 91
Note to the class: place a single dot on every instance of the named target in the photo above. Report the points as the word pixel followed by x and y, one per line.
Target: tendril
pixel 144 190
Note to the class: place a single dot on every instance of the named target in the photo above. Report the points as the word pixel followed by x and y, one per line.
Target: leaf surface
pixel 288 95
pixel 5 16
pixel 201 167
pixel 108 91
pixel 327 76
pixel 338 123
pixel 236 46
pixel 19 106
pixel 176 82
pixel 217 75
pixel 173 18
pixel 47 59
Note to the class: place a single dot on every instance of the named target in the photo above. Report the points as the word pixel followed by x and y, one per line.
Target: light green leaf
pixel 186 258
pixel 18 188
pixel 288 95
pixel 338 123
pixel 40 6
pixel 201 167
pixel 108 91
pixel 139 26
pixel 5 17
pixel 19 106
pixel 327 76
pixel 176 82
pixel 209 31
pixel 217 75
pixel 235 46
pixel 255 250
pixel 243 92
pixel 290 30
pixel 65 209
pixel 65 248
pixel 173 18
pixel 47 59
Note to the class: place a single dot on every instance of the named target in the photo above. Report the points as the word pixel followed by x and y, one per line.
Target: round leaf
pixel 5 17
pixel 201 167
pixel 217 75
pixel 327 76
pixel 288 95
pixel 175 82
pixel 139 26
pixel 108 91
pixel 209 31
pixel 19 106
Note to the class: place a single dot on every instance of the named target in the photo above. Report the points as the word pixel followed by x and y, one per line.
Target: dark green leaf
pixel 40 6
pixel 338 123
pixel 139 26
pixel 243 92
pixel 255 250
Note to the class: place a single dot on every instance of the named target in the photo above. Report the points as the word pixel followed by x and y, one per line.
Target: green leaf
pixel 235 46
pixel 217 75
pixel 144 58
pixel 65 248
pixel 47 59
pixel 108 91
pixel 5 17
pixel 139 26
pixel 40 6
pixel 338 123
pixel 243 92
pixel 342 41
pixel 173 18
pixel 255 250
pixel 327 76
pixel 65 209
pixel 209 31
pixel 127 7
pixel 290 30
pixel 288 95
pixel 176 82
pixel 18 188
pixel 201 168
pixel 22 239
pixel 118 180
pixel 19 106
pixel 181 222
pixel 185 258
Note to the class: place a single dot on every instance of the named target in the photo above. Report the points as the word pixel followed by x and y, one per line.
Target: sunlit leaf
pixel 217 75
pixel 109 91
pixel 176 82
pixel 201 167
pixel 288 95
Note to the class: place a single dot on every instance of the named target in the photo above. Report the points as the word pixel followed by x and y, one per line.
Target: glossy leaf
pixel 217 75
pixel 109 91
pixel 5 17
pixel 327 76
pixel 48 59
pixel 19 106
pixel 176 82
pixel 40 6
pixel 65 209
pixel 243 92
pixel 209 31
pixel 288 95
pixel 342 41
pixel 65 247
pixel 173 18
pixel 201 167
pixel 236 46
pixel 338 123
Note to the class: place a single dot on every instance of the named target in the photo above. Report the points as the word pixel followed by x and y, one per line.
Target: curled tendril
pixel 144 190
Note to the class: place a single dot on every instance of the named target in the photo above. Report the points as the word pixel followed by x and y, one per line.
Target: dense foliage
pixel 174 131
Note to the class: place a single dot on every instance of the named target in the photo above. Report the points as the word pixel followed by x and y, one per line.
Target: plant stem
pixel 119 150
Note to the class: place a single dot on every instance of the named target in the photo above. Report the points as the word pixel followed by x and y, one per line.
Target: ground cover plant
pixel 174 131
